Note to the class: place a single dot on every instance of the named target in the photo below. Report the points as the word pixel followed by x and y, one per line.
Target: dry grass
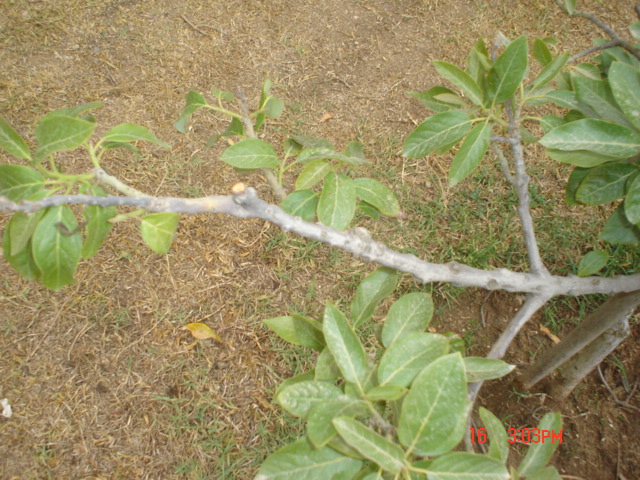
pixel 102 381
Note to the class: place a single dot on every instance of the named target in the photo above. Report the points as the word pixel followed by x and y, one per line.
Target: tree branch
pixel 246 204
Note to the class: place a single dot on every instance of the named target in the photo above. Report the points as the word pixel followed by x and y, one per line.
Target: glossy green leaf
pixel 618 229
pixel 387 393
pixel 195 101
pixel 471 153
pixel 467 466
pixel 298 330
pixel 299 398
pixel 301 203
pixel 377 194
pixel 564 99
pixel 597 95
pixel 596 136
pixel 326 366
pixel 408 356
pixel 580 158
pixel 12 142
pixel 539 454
pixel 98 226
pixel 625 84
pixel 440 130
pixel 439 99
pixel 320 429
pixel 586 70
pixel 509 70
pixel 22 260
pixel 575 179
pixel 408 315
pixel 549 72
pixel 128 132
pixel 480 368
pixel 21 228
pixel 55 251
pixel 592 263
pixel 19 182
pixel 158 230
pixel 632 201
pixel 301 377
pixel 337 203
pixel 549 122
pixel 434 407
pixel 60 133
pixel 344 345
pixel 388 455
pixel 301 461
pixel 372 290
pixel 605 183
pixel 251 153
pixel 460 79
pixel 541 52
pixel 312 174
pixel 499 445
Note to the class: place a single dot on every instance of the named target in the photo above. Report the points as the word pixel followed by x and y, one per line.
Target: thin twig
pixel 589 51
pixel 614 396
pixel 604 27
pixel 196 28
pixel 504 165
pixel 271 177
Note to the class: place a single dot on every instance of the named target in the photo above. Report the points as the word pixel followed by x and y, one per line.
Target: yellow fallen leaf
pixel 201 331
pixel 548 333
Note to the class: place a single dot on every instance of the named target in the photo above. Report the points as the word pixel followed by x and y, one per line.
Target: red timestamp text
pixel 523 435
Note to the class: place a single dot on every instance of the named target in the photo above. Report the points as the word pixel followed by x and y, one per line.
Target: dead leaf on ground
pixel 201 331
pixel 326 116
pixel 548 333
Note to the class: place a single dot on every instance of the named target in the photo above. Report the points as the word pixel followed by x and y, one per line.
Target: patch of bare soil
pixel 102 381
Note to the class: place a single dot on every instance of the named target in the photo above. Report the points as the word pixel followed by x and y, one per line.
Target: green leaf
pixel 635 30
pixel 308 142
pixel 387 393
pixel 625 85
pixel 438 99
pixel 597 95
pixel 301 203
pixel 539 454
pixel 56 253
pixel 369 210
pixel 337 203
pixel 408 356
pixel 596 136
pixel 301 461
pixel 234 129
pixel 320 429
pixel 580 158
pixel 128 132
pixel 480 368
pixel 605 183
pixel 592 263
pixel 158 230
pixel 74 111
pixel 632 201
pixel 499 446
pixel 301 377
pixel 549 72
pixel 471 153
pixel 408 315
pixel 478 61
pixel 570 6
pixel 60 133
pixel 274 107
pixel 344 345
pixel 22 261
pixel 618 229
pixel 326 366
pixel 21 228
pixel 389 456
pixel 548 473
pixel 251 153
pixel 509 70
pixel 98 226
pixel 541 52
pixel 195 101
pixel 299 398
pixel 434 407
pixel 19 182
pixel 322 153
pixel 467 466
pixel 298 330
pixel 586 70
pixel 313 173
pixel 435 132
pixel 460 79
pixel 12 142
pixel 377 194
pixel 372 290
pixel 575 179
